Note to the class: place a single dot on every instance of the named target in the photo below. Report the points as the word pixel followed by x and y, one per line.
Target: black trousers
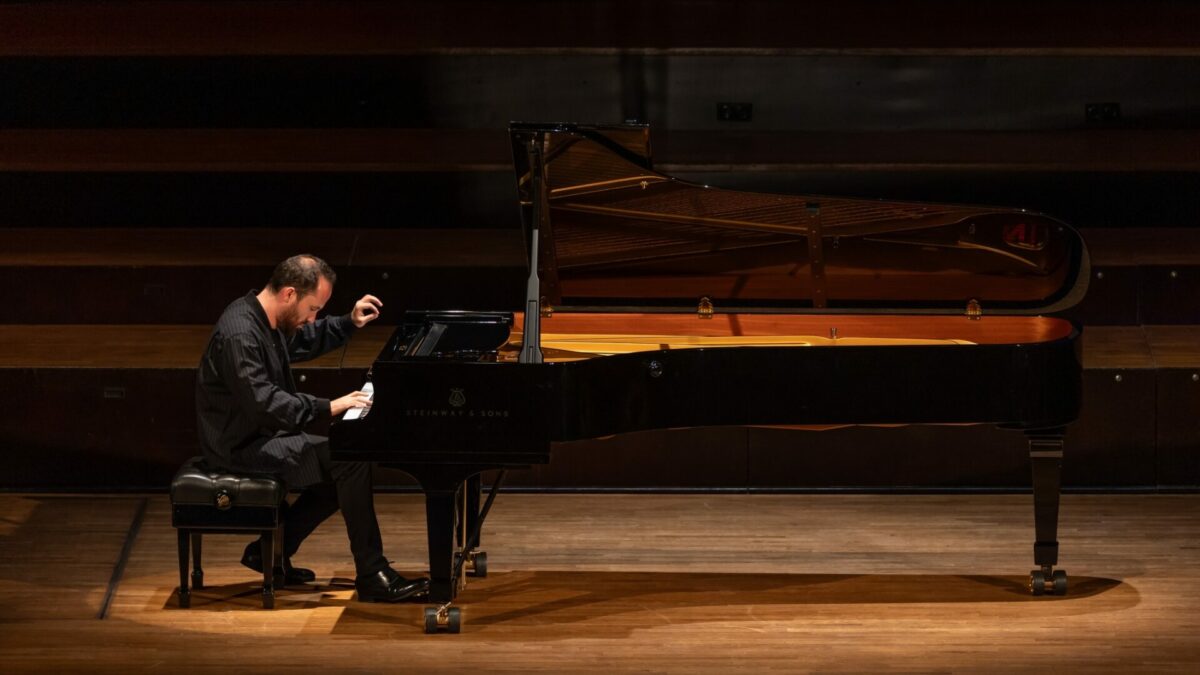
pixel 343 485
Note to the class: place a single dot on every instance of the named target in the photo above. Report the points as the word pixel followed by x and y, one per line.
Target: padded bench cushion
pixel 197 484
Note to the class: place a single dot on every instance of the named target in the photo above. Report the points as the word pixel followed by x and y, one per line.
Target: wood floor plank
pixel 57 554
pixel 683 583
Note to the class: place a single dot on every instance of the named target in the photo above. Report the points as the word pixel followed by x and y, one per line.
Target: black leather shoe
pixel 290 576
pixel 388 586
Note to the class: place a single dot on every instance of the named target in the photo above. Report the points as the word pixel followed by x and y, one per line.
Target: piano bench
pixel 205 500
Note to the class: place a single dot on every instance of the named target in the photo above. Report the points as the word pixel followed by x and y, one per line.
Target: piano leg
pixel 449 515
pixel 440 518
pixel 1045 456
pixel 472 487
pixel 476 563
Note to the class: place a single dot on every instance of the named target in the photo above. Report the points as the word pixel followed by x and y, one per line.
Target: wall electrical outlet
pixel 1102 113
pixel 735 112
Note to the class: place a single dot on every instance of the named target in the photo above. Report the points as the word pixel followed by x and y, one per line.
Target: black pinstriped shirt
pixel 245 393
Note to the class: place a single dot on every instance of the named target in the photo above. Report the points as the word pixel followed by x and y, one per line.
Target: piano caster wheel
pixel 1060 582
pixel 438 619
pixel 185 600
pixel 1042 584
pixel 477 564
pixel 198 580
pixel 1037 582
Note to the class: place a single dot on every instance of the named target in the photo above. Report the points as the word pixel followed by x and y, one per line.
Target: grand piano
pixel 657 303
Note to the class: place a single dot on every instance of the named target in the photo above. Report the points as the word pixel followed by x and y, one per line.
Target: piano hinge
pixel 547 310
pixel 974 310
pixel 705 308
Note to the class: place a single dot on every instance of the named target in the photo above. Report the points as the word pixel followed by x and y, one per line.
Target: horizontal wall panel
pixel 119 27
pixel 487 199
pixel 441 199
pixel 199 295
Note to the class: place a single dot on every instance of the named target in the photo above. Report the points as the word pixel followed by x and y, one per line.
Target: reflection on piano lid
pixel 619 234
pixel 449 334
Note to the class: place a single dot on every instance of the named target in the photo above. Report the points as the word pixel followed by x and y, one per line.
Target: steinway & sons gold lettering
pixel 450 412
pixel 457 401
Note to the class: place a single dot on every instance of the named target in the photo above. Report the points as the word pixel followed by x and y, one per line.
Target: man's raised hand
pixel 365 310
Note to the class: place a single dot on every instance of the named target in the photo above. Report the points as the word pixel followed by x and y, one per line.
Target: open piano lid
pixel 615 235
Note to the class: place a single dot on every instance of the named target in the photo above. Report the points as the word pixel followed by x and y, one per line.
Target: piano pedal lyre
pixel 443 619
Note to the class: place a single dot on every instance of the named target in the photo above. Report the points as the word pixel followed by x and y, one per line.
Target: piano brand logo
pixel 458 399
pixel 455 412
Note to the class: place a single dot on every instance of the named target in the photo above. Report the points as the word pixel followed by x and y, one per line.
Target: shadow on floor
pixel 615 603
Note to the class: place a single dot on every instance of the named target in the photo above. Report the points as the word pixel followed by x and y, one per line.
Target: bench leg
pixel 267 551
pixel 197 567
pixel 185 596
pixel 277 558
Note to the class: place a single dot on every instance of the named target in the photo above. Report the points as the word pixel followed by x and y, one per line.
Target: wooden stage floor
pixel 645 583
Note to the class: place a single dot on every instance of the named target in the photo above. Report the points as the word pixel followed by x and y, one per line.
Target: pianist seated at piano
pixel 252 418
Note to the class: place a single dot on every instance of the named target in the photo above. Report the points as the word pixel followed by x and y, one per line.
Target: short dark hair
pixel 302 272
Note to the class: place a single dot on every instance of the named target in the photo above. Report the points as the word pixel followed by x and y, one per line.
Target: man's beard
pixel 289 323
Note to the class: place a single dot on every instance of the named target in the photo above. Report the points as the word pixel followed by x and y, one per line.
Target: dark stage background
pixel 156 159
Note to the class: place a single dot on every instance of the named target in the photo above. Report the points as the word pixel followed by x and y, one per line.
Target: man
pixel 251 418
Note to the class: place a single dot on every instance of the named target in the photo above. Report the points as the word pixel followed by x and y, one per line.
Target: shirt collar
pixel 257 310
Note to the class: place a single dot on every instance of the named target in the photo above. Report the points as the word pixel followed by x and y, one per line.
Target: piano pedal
pixel 443 619
pixel 1048 581
pixel 476 564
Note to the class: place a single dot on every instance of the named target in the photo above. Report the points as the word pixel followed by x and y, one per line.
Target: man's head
pixel 301 285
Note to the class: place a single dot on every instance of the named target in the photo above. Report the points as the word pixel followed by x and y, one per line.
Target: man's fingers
pixel 371 300
pixel 367 309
